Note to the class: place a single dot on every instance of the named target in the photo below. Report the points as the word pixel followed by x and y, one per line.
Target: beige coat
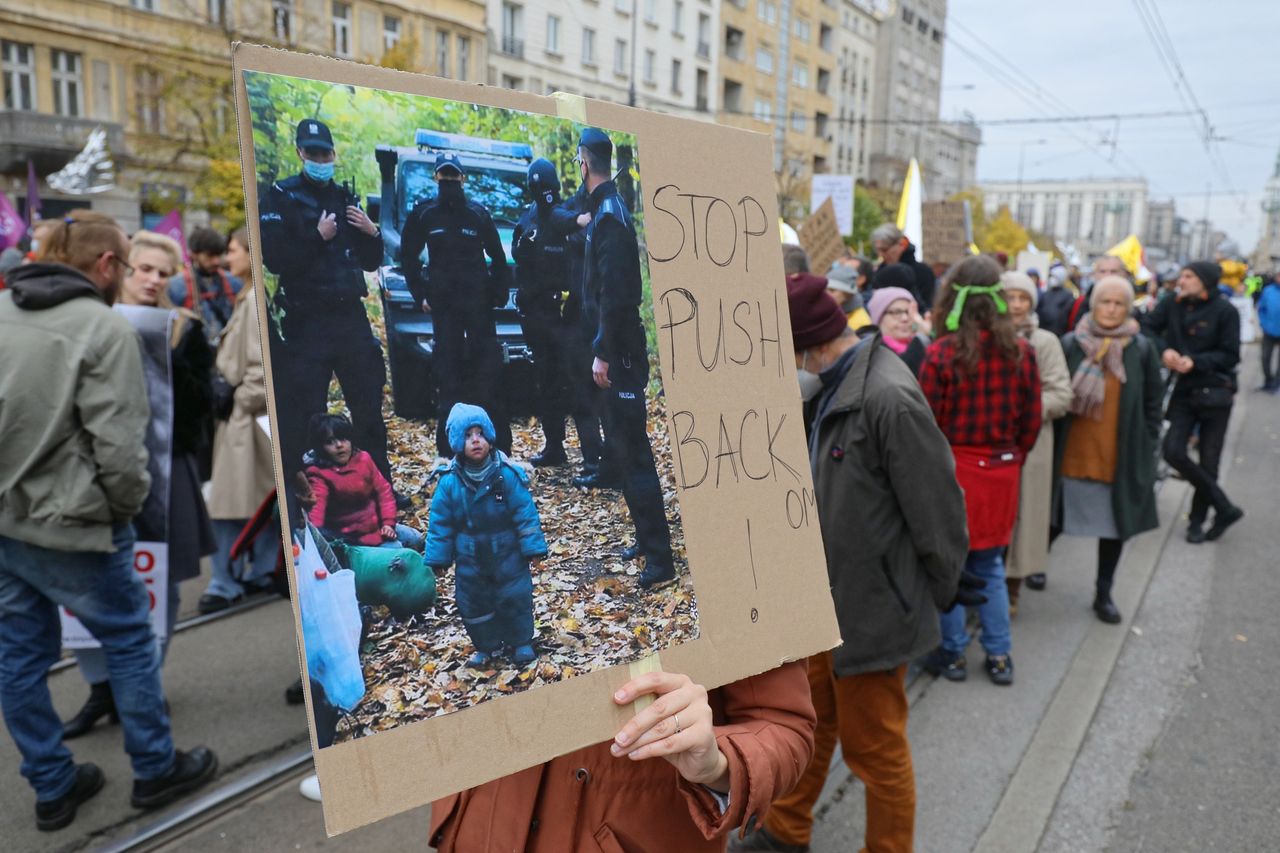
pixel 1029 550
pixel 242 469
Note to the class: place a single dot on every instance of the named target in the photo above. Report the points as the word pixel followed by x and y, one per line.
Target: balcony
pixel 704 50
pixel 702 105
pixel 512 46
pixel 49 141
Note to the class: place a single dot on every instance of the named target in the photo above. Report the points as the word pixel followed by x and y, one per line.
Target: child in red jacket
pixel 353 501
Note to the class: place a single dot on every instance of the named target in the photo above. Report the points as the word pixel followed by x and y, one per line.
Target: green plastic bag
pixel 396 577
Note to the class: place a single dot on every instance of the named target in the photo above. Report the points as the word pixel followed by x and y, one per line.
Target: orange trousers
pixel 868 713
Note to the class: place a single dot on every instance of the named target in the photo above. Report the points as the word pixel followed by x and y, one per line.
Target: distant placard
pixel 946 231
pixel 838 188
pixel 151 562
pixel 820 238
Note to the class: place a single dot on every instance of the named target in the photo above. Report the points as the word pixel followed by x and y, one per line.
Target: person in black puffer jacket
pixel 1198 334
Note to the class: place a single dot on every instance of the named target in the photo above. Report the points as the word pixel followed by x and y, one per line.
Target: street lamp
pixel 1022 153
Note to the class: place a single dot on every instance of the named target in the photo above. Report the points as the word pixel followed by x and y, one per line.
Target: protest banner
pixel 946 231
pixel 820 238
pixel 720 404
pixel 838 188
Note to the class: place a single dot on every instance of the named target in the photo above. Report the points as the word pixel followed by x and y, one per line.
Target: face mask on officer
pixel 317 164
pixel 451 192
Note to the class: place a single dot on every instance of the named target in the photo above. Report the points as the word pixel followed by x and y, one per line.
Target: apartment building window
pixel 588 46
pixel 148 91
pixel 67 83
pixel 1099 219
pixel 820 125
pixel 701 91
pixel 282 20
pixel 733 42
pixel 908 16
pixel 651 12
pixel 1050 217
pixel 19 68
pixel 650 60
pixel 763 109
pixel 803 30
pixel 923 26
pixel 622 6
pixel 442 53
pixel 824 81
pixel 342 29
pixel 1025 211
pixel 797 121
pixel 513 30
pixel 216 11
pixel 937 35
pixel 553 34
pixel 764 59
pixel 677 17
pixel 767 11
pixel 464 56
pixel 143 5
pixel 732 99
pixel 676 69
pixel 704 36
pixel 619 57
pixel 825 38
pixel 800 75
pixel 390 32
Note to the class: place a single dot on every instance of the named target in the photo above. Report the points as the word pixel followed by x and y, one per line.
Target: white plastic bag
pixel 330 626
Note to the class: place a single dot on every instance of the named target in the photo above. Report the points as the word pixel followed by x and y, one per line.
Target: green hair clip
pixel 962 293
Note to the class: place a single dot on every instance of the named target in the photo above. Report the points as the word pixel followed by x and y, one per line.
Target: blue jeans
pixel 406 537
pixel 987 564
pixel 93 662
pixel 229 580
pixel 108 597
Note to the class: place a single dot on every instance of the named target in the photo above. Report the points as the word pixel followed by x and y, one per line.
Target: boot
pixel 100 704
pixel 1014 585
pixel 190 770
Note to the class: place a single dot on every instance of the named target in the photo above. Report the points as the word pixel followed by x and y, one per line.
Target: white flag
pixel 90 172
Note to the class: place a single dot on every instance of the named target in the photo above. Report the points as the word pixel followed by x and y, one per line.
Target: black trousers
pixel 315 349
pixel 562 368
pixel 1184 417
pixel 1269 347
pixel 466 366
pixel 630 455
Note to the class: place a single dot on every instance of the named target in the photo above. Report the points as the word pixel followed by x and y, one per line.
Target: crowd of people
pixel 957 427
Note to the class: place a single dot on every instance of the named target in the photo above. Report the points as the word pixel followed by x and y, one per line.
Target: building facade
pixel 156 76
pixel 1091 214
pixel 908 93
pixel 1268 252
pixel 954 166
pixel 654 54
pixel 777 76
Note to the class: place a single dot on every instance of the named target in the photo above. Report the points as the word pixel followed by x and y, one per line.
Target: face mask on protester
pixel 322 172
pixel 810 382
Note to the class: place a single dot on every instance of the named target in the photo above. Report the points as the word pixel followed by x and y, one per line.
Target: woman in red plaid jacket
pixel 981 380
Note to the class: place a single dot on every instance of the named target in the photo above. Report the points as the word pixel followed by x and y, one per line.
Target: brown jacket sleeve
pixel 767 735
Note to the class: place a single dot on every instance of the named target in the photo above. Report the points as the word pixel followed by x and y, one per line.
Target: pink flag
pixel 12 228
pixel 171 226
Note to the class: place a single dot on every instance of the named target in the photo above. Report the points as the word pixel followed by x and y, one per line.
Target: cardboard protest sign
pixel 947 231
pixel 838 188
pixel 704 464
pixel 820 238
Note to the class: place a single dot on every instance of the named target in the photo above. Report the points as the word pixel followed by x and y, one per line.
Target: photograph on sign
pixel 498 543
pixel 536 422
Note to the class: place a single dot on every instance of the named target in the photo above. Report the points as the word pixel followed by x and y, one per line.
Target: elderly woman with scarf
pixel 1107 443
pixel 1029 551
pixel 982 383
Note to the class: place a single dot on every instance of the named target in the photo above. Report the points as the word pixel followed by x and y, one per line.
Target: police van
pixel 496 180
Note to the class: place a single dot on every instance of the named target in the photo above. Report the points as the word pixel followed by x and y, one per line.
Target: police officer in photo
pixel 550 303
pixel 612 290
pixel 319 242
pixel 461 293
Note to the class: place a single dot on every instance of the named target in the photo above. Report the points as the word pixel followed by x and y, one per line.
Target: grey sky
pixel 1095 57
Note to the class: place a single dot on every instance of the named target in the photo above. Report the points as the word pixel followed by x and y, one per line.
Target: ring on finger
pixel 676 717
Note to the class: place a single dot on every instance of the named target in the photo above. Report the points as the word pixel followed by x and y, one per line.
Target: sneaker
pixel 630 552
pixel 310 788
pixel 56 814
pixel 479 659
pixel 1223 520
pixel 949 665
pixel 656 575
pixel 523 655
pixel 1000 669
pixel 190 770
pixel 1195 533
pixel 1038 581
pixel 759 839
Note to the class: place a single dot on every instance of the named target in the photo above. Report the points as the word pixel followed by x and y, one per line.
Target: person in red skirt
pixel 982 383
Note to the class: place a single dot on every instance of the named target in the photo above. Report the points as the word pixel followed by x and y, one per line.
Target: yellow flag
pixel 1130 251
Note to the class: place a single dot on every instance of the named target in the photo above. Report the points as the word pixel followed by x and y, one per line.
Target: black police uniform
pixel 462 293
pixel 550 306
pixel 612 290
pixel 324 330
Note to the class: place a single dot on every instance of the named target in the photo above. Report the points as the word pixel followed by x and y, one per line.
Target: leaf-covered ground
pixel 589 611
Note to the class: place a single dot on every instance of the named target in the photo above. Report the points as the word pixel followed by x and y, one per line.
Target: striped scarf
pixel 1103 353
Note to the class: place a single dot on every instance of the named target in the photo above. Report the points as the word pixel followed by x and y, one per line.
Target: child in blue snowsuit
pixel 484 520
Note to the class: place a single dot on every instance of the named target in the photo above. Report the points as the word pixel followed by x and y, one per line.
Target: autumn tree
pixel 867 216
pixel 1004 235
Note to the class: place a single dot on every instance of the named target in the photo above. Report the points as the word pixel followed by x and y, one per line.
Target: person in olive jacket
pixel 895 535
pixel 1198 335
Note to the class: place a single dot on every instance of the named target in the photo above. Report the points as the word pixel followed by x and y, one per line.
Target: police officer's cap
pixel 597 142
pixel 314 134
pixel 446 161
pixel 542 177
